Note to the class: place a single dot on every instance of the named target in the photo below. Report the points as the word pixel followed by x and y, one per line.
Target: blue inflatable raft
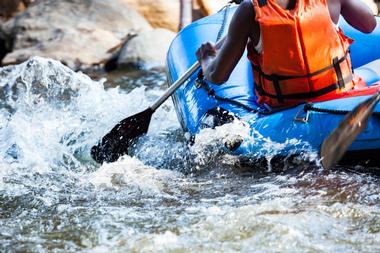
pixel 308 123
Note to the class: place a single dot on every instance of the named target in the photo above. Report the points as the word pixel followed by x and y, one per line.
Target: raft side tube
pixel 192 103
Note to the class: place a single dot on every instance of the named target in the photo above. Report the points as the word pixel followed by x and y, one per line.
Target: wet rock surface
pixel 147 49
pixel 209 7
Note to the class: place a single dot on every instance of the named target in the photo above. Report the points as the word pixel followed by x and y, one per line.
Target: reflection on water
pixel 168 196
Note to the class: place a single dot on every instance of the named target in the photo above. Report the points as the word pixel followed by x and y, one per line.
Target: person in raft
pixel 297 51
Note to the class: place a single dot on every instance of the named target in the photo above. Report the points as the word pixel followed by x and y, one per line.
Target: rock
pixel 186 13
pixel 78 33
pixel 159 13
pixel 209 7
pixel 197 12
pixel 147 50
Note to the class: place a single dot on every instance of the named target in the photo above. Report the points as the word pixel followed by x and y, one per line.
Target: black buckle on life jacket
pixel 276 84
pixel 338 71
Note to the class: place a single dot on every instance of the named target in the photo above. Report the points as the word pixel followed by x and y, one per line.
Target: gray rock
pixel 147 50
pixel 79 33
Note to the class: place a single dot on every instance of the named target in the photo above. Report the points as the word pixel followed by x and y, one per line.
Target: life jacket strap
pixel 280 97
pixel 303 95
pixel 338 71
pixel 275 79
pixel 283 77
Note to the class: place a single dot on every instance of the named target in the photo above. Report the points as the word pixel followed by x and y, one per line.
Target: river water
pixel 168 196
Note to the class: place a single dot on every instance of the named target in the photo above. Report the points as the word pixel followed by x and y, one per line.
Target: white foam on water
pixel 287 223
pixel 209 144
pixel 131 173
pixel 55 198
pixel 52 115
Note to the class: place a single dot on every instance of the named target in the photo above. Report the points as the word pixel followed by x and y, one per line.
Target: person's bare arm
pixel 218 63
pixel 358 15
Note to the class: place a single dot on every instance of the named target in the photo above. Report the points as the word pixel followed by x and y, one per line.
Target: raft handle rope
pixel 226 11
pixel 304 117
pixel 225 15
pixel 309 107
pixel 201 83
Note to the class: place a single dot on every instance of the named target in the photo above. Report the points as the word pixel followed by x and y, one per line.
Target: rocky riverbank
pixel 82 34
pixel 95 33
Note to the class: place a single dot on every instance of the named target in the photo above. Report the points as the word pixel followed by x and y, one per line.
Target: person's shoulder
pixel 246 4
pixel 246 8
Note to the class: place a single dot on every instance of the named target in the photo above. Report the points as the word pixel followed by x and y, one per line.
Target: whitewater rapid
pixel 167 195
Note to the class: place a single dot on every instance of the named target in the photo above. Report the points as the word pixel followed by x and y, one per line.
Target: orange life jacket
pixel 304 58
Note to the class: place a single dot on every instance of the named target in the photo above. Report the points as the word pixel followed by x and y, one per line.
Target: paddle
pixel 337 143
pixel 116 143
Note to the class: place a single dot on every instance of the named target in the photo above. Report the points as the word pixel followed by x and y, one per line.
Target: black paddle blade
pixel 116 143
pixel 337 143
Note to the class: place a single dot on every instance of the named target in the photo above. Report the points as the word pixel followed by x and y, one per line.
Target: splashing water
pixel 169 196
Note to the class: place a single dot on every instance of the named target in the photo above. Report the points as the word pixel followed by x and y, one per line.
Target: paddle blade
pixel 337 143
pixel 116 143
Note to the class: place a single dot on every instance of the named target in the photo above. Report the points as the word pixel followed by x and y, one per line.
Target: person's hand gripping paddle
pixel 336 144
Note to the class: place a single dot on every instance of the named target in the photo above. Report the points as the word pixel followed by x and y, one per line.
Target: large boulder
pixel 146 50
pixel 79 33
pixel 159 13
pixel 209 7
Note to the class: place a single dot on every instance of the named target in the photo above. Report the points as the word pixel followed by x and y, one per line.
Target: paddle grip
pixel 175 85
